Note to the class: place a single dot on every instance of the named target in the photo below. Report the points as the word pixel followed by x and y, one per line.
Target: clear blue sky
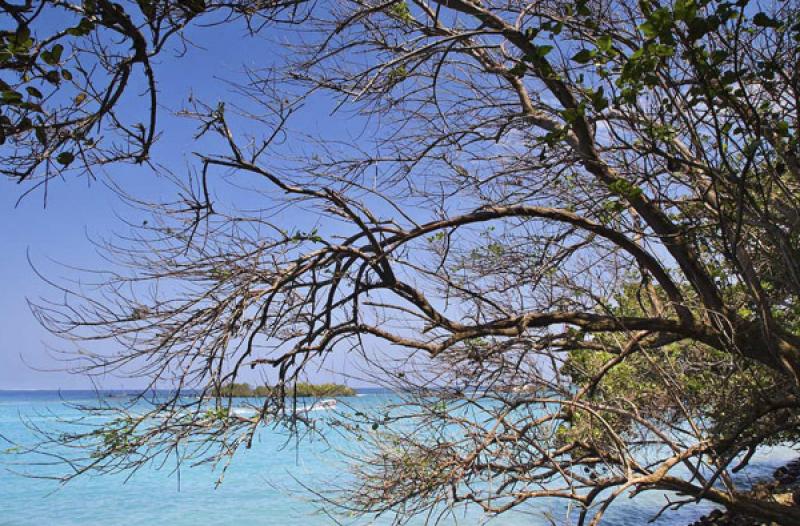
pixel 76 209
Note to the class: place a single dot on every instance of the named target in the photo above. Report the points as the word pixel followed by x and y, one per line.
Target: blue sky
pixel 77 209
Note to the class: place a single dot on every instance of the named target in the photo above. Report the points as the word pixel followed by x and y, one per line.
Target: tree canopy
pixel 568 234
pixel 302 389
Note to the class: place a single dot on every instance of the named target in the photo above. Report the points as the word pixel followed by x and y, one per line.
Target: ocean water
pixel 260 488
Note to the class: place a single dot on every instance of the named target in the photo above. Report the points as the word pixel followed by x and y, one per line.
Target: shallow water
pixel 260 488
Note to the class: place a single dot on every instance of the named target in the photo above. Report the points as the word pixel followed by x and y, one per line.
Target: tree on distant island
pixel 304 389
pixel 567 235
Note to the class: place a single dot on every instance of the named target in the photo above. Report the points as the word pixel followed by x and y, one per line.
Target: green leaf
pixel 661 50
pixel 33 92
pixel 53 56
pixel 56 52
pixel 599 101
pixel 31 106
pixel 52 76
pixel 21 41
pixel 41 135
pixel 658 23
pixel 11 97
pixel 397 74
pixel 584 56
pixel 685 10
pixel 65 158
pixel 763 20
pixel 648 30
pixel 401 12
pixel 572 114
pixel 625 189
pixel 84 27
pixel 23 33
pixel 604 43
pixel 519 69
pixel 542 51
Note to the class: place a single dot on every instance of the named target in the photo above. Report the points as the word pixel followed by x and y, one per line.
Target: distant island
pixel 245 390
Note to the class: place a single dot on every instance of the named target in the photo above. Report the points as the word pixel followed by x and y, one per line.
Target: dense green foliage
pixel 245 390
pixel 678 382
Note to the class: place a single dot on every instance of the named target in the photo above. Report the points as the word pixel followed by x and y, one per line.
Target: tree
pixel 568 234
pixel 66 84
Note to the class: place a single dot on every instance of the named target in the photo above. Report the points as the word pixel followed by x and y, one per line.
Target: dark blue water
pixel 260 488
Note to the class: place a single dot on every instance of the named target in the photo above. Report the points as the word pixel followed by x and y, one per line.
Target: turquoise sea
pixel 260 488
